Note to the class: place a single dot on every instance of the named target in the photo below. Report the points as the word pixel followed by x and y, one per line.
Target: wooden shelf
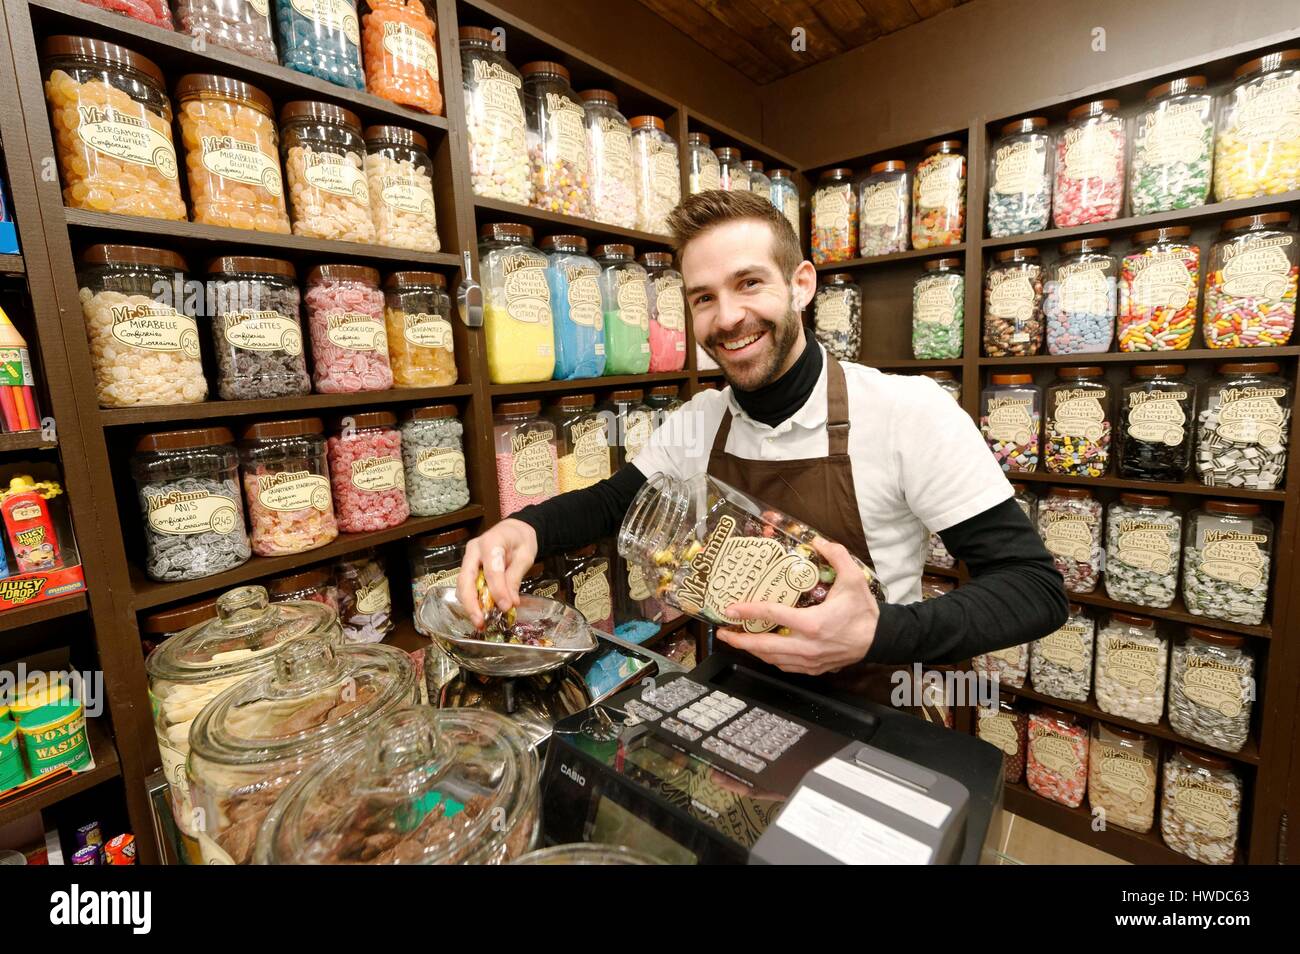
pixel 952 574
pixel 553 223
pixel 721 134
pixel 853 264
pixel 13 264
pixel 1176 613
pixel 1148 486
pixel 148 593
pixel 591 384
pixel 106 767
pixel 21 616
pixel 912 364
pixel 1151 357
pixel 25 441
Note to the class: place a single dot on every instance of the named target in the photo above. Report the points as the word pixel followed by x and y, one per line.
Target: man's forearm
pixel 584 516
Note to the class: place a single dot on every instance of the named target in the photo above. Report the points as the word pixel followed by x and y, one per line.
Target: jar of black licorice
pixel 1155 423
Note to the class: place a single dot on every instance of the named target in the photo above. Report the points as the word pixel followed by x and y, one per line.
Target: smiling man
pixel 872 460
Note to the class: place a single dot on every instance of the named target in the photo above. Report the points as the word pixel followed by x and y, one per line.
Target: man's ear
pixel 803 285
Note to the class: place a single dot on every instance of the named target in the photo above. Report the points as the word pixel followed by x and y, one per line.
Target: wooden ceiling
pixel 755 36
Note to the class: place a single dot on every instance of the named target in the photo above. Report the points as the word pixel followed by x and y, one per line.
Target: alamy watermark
pixel 87 686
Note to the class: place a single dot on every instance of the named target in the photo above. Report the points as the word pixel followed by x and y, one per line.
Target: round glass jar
pixel 733 175
pixel 1200 806
pixel 1173 147
pixel 1020 178
pixel 703 174
pixel 1243 420
pixel 609 157
pixel 1004 726
pixel 1212 688
pixel 834 218
pixel 1078 423
pixel 433 455
pixel 1132 662
pixel 1257 151
pixel 365 598
pixel 1250 288
pixel 1227 561
pixel 759 184
pixel 253 307
pixel 1069 521
pixel 527 455
pixel 401 54
pixel 663 400
pixel 435 561
pixel 1123 769
pixel 1143 536
pixel 417 316
pixel 157 628
pixel 657 173
pixel 1011 414
pixel 884 209
pixel 573 278
pixel 1057 764
pixel 583 442
pixel 321 38
pixel 365 457
pixel 1060 663
pixel 1089 165
pixel 785 196
pixel 667 303
pixel 399 176
pixel 557 140
pixel 837 315
pixel 625 299
pixel 1013 304
pixel 324 161
pixel 1155 433
pixel 242 25
pixel 517 317
pixel 1158 292
pixel 939 196
pixel 946 380
pixel 310 586
pixel 494 120
pixel 349 339
pixel 1080 298
pixel 287 486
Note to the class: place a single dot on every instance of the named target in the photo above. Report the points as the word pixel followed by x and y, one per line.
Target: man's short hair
pixel 698 213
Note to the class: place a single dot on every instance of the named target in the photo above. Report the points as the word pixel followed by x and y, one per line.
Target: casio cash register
pixel 730 765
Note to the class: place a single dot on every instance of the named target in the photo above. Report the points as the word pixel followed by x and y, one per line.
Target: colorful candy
pixel 366 473
pixel 1004 727
pixel 1069 521
pixel 527 458
pixel 1057 765
pixel 1078 423
pixel 1173 144
pixel 1011 416
pixel 834 218
pixel 667 312
pixel 1020 179
pixel 154 12
pixel 321 38
pixel 401 55
pixel 494 120
pixel 287 487
pixel 1013 304
pixel 1080 299
pixel 557 140
pixel 624 297
pixel 1089 166
pixel 884 209
pixel 349 345
pixel 939 196
pixel 1159 286
pixel 1250 290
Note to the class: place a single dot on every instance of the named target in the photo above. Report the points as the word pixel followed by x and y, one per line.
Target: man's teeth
pixel 740 342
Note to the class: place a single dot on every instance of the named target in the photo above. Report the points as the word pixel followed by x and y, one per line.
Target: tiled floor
pixel 1024 842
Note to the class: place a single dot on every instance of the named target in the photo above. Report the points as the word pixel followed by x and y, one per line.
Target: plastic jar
pixel 1069 521
pixel 1158 292
pixel 1258 147
pixel 557 140
pixel 253 309
pixel 785 196
pixel 188 487
pixel 1013 304
pixel 1243 420
pixel 1250 290
pixel 946 380
pixel 112 126
pixel 574 281
pixel 435 562
pixel 939 196
pixel 627 310
pixel 609 157
pixel 153 12
pixel 1227 561
pixel 733 176
pixel 1011 414
pixel 759 184
pixel 884 209
pixel 583 442
pixel 232 154
pixel 1122 777
pixel 1060 663
pixel 1007 666
pixel 143 350
pixel 494 120
pixel 542 580
pixel 1078 423
pixel 527 455
pixel 433 455
pixel 662 401
pixel 1155 434
pixel 1089 165
pixel 349 341
pixel 1080 299
pixel 314 586
pixel 1200 806
pixel 516 305
pixel 1132 661
pixel 589 578
pixel 324 159
pixel 658 175
pixel 1173 147
pixel 287 486
pixel 400 181
pixel 1212 688
pixel 365 598
pixel 939 310
pixel 667 302
pixel 401 43
pixel 1003 726
pixel 834 218
pixel 1143 536
pixel 321 38
pixel 1026 500
pixel 417 316
pixel 365 456
pixel 703 174
pixel 634 422
pixel 242 25
pixel 1020 178
pixel 837 315
pixel 1057 763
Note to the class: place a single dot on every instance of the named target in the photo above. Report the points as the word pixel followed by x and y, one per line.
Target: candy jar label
pixel 1251 416
pixel 262 7
pixel 178 785
pixel 263 331
pixel 1011 421
pixel 293 490
pixel 667 185
pixel 935 302
pixel 591 594
pixel 1000 730
pixel 1093 151
pixel 591 448
pixel 1206 806
pixel 1257 269
pixel 528 297
pixel 637 432
pixel 1013 656
pixel 1127 776
pixel 670 305
pixel 1084 289
pixel 1214 686
pixel 1157 417
pixel 438 463
pixel 403 42
pixel 633 304
pixel 1067 646
pixel 880 204
pixel 710 176
pixel 1079 414
pixel 834 315
pixel 938 181
pixel 1056 754
pixel 211 852
pixel 1162 280
pixel 831 207
pixel 378 474
pixel 1012 296
pixel 637 587
pixel 1021 168
pixel 182 514
pixel 241 161
pixel 154 327
pixel 737 179
pixel 533 465
pixel 1132 664
pixel 424 330
pixel 406 194
pixel 616 149
pixel 373 597
pixel 335 174
pixel 1174 134
pixel 336 16
pixel 498 91
pixel 584 300
pixel 356 331
pixel 1146 545
pixel 1270 109
pixel 568 130
pixel 128 137
pixel 1233 557
pixel 1069 536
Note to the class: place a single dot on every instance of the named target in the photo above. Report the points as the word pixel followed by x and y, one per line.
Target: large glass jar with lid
pixel 1078 427
pixel 939 196
pixel 574 280
pixel 557 140
pixel 516 305
pixel 433 456
pixel 1089 165
pixel 253 306
pixel 582 441
pixel 609 159
pixel 1227 561
pixel 208 656
pixel 1143 536
pixel 1011 414
pixel 250 742
pixel 400 176
pixel 417 315
pixel 1080 298
pixel 1250 285
pixel 634 422
pixel 1173 147
pixel 1057 764
pixel 322 40
pixel 946 380
pixel 1060 663
pixel 1200 806
pixel 939 310
pixel 785 196
pixel 1212 688
pixel 1156 409
pixel 1020 178
pixel 1243 420
pixel 349 337
pixel 401 58
pixel 494 119
pixel 626 304
pixel 324 165
pixel 589 578
pixel 759 184
pixel 1013 304
pixel 435 561
pixel 1123 774
pixel 732 174
pixel 1003 725
pixel 315 586
pixel 884 209
pixel 703 173
pixel 1258 147
pixel 287 486
pixel 243 25
pixel 834 217
pixel 369 481
pixel 1159 289
pixel 1132 661
pixel 837 316
pixel 1069 521
pixel 658 174
pixel 667 303
pixel 527 455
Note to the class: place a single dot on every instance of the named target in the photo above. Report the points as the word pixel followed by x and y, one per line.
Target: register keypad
pixel 763 733
pixel 673 696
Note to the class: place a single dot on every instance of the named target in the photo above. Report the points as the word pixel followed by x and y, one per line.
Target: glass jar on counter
pixel 1212 688
pixel 583 442
pixel 232 154
pixel 626 303
pixel 365 457
pixel 1200 806
pixel 313 586
pixel 1155 433
pixel 1250 287
pixel 1057 764
pixel 837 316
pixel 287 486
pixel 1173 147
pixel 157 628
pixel 703 172
pixel 1078 423
pixel 517 316
pixel 834 217
pixel 1089 165
pixel 1227 561
pixel 1004 726
pixel 1258 147
pixel 527 455
pixel 667 302
pixel 588 577
pixel 494 120
pixel 324 160
pixel 1027 501
pixel 732 174
pixel 349 338
pixel 1069 521
pixel 417 317
pixel 322 40
pixel 939 196
pixel 657 174
pixel 143 350
pixel 435 561
pixel 884 209
pixel 1080 298
pixel 112 126
pixel 211 651
pixel 759 184
pixel 1158 291
pixel 785 196
pixel 365 598
pixel 1013 304
pixel 938 310
pixel 634 422
pixel 1011 414
pixel 253 305
pixel 399 175
pixel 433 456
pixel 609 159
pixel 573 278
pixel 1122 776
pixel 1243 421
pixel 1020 178
pixel 402 54
pixel 946 380
pixel 556 131
pixel 1060 663
pixel 242 25
pixel 253 739
pixel 1008 666
pixel 1143 536
pixel 1132 662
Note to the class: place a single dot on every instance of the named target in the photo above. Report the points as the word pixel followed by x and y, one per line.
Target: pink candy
pixel 368 481
pixel 1057 767
pixel 512 499
pixel 349 343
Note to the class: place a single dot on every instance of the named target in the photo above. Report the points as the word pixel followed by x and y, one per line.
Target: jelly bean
pixel 1159 286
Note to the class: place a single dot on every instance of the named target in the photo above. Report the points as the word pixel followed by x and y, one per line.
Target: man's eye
pixel 702 300
pixel 749 283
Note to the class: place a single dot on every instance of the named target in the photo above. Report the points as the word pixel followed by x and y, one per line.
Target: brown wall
pixel 993 58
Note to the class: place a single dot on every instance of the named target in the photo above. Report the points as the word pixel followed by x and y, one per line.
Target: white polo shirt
pixel 919 463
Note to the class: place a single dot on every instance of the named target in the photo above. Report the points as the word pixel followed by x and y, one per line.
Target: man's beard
pixel 784 337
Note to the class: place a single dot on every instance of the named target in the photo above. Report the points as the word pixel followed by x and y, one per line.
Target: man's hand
pixel 505 553
pixel 823 638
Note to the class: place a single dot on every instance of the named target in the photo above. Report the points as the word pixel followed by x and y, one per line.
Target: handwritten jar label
pixel 130 138
pixel 182 514
pixel 440 463
pixel 262 331
pixel 378 474
pixel 293 490
pixel 356 331
pixel 241 161
pixel 153 327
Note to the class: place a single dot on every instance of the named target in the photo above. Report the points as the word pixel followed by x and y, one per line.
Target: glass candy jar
pixel 287 486
pixel 1011 413
pixel 938 310
pixel 433 456
pixel 1132 660
pixel 837 316
pixel 1123 769
pixel 1078 423
pixel 884 209
pixel 667 312
pixel 1020 178
pixel 1227 561
pixel 517 318
pixel 1089 165
pixel 939 196
pixel 1200 806
pixel 1258 147
pixel 417 316
pixel 1080 298
pixel 253 305
pixel 609 159
pixel 1069 521
pixel 527 455
pixel 494 119
pixel 1158 291
pixel 324 164
pixel 1155 416
pixel 1173 147
pixel 556 132
pixel 1060 663
pixel 1243 421
pixel 658 176
pixel 1212 688
pixel 1143 534
pixel 1250 286
pixel 834 218
pixel 1013 304
pixel 399 174
pixel 703 174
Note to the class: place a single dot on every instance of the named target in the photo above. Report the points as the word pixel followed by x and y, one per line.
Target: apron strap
pixel 837 413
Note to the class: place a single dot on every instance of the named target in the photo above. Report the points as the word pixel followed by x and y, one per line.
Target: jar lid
pixel 1267 63
pixel 889 165
pixel 1204 759
pixel 599 96
pixel 101 52
pixel 582 552
pixel 396 134
pixel 296 582
pixel 1059 715
pixel 369 419
pixel 576 402
pixel 753 165
pixel 1028 124
pixel 476 34
pixel 180 618
pixel 210 86
pixel 1017 253
pixel 308 109
pixel 182 440
pixel 545 68
pixel 781 174
pixel 1233 508
pixel 727 154
pixel 697 139
pixel 937 263
pixel 251 265
pixel 1261 221
pixel 1088 371
pixel 269 429
pixel 434 412
pixel 344 273
pixel 1151 370
pixel 840 278
pixel 943 145
pixel 506 232
pixel 1176 87
pixel 133 255
pixel 1012 378
pixel 665 390
pixel 1071 493
pixel 1094 108
pixel 1249 367
pixel 616 251
pixel 939 375
pixel 403 280
pixel 447 538
pixel 1162 235
pixel 1128 735
pixel 646 122
pixel 1128 619
pixel 628 394
pixel 518 407
pixel 1144 500
pixel 1225 640
pixel 840 172
pixel 564 243
pixel 1085 245
pixel 657 260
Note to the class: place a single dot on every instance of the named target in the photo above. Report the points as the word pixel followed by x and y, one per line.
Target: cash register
pixel 732 765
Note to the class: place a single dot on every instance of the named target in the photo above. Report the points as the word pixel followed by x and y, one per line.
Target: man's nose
pixel 731 313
